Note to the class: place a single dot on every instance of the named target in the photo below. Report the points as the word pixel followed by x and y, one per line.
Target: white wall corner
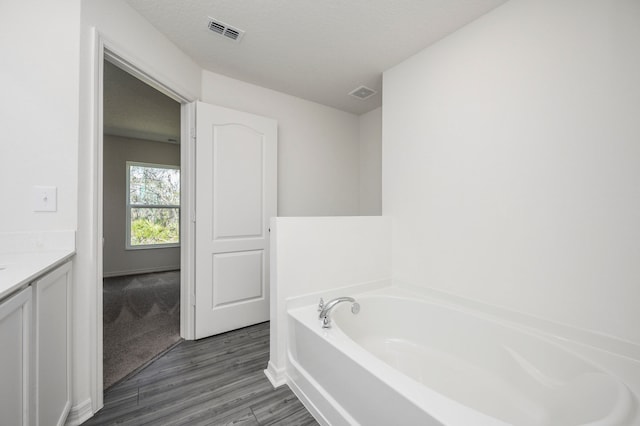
pixel 370 162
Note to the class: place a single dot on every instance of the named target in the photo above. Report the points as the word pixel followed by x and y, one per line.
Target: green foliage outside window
pixel 155 226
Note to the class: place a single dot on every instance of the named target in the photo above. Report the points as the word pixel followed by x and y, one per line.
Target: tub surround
pixel 333 257
pixel 25 256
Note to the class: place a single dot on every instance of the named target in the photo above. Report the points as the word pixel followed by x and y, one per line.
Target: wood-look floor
pixel 213 381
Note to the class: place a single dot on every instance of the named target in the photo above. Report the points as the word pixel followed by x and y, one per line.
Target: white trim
pixel 95 291
pixel 134 66
pixel 276 375
pixel 140 271
pixel 104 49
pixel 80 413
pixel 150 246
pixel 187 220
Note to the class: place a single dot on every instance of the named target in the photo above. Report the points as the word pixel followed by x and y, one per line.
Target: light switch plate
pixel 45 199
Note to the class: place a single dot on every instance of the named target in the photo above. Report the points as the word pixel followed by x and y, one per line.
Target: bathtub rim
pixel 444 409
pixel 608 353
pixel 623 409
pixel 555 329
pixel 413 390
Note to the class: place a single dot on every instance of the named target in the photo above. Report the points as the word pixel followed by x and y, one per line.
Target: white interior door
pixel 236 173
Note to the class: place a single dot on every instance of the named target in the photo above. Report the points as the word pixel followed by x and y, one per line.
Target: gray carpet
pixel 141 319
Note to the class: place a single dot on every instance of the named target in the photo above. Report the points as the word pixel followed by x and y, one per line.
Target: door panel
pixel 236 171
pixel 238 182
pixel 242 272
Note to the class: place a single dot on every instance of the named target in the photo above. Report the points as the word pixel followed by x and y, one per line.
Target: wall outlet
pixel 45 199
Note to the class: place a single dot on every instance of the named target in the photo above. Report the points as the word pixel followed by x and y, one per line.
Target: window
pixel 153 206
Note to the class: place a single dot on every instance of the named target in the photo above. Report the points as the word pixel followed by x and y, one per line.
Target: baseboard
pixel 140 271
pixel 80 413
pixel 275 375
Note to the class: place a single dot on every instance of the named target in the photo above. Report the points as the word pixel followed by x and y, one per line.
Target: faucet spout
pixel 327 307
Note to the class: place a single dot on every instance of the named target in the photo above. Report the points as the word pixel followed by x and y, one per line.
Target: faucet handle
pixel 321 305
pixel 326 322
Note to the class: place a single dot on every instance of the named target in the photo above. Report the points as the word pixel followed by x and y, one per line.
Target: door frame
pixel 105 49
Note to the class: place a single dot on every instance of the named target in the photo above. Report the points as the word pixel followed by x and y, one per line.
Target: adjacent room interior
pixel 141 175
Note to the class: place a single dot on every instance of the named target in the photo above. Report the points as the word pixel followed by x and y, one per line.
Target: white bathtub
pixel 402 361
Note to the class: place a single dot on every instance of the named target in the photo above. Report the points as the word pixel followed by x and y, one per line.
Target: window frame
pixel 130 206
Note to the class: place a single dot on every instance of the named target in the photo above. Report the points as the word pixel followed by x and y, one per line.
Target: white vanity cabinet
pixel 16 362
pixel 52 331
pixel 35 351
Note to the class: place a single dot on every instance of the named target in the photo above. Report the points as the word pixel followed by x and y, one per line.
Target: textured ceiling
pixel 318 50
pixel 134 109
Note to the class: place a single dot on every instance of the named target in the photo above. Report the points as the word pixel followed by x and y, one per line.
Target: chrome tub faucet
pixel 325 309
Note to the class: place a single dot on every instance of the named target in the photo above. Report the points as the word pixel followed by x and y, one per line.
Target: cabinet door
pixel 52 304
pixel 15 359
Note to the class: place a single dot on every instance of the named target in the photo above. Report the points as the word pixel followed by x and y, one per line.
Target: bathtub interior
pixel 342 384
pixel 502 371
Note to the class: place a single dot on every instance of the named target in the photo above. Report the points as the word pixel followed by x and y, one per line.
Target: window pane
pixel 154 185
pixel 155 226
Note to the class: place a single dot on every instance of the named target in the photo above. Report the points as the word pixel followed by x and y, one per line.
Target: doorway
pixel 141 223
pixel 232 236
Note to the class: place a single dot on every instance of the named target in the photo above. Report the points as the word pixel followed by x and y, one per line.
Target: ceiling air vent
pixel 225 30
pixel 363 92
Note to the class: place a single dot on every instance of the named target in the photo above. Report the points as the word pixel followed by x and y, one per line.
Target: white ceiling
pixel 134 109
pixel 318 50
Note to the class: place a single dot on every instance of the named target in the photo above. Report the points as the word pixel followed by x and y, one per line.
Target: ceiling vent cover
pixel 225 30
pixel 363 92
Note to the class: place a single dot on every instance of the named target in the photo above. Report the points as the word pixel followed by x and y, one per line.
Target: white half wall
pixel 371 163
pixel 511 163
pixel 318 154
pixel 39 111
pixel 319 256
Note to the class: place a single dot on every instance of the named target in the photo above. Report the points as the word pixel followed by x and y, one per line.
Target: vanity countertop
pixel 19 269
pixel 26 256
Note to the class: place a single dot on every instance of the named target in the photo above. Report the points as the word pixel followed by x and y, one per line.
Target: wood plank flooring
pixel 213 381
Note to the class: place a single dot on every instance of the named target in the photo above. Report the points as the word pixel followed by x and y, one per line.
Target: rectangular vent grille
pixel 363 92
pixel 232 34
pixel 216 27
pixel 225 30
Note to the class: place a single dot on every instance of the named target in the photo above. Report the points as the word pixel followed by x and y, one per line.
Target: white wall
pixel 370 139
pixel 322 256
pixel 38 111
pixel 117 259
pixel 511 163
pixel 317 146
pixel 134 37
